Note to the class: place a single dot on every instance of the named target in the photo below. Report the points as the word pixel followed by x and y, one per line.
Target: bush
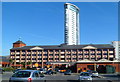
pixel 24 68
pixel 9 69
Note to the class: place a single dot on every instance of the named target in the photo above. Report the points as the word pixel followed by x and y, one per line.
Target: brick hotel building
pixel 59 53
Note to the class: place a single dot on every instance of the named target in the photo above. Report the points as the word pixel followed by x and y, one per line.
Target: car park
pixel 26 76
pixel 85 76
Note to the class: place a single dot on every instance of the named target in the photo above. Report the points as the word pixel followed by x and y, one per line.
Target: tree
pixel 11 61
pixel 23 63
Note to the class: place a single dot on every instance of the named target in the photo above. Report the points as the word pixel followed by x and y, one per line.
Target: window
pixel 45 54
pixel 39 58
pixel 56 54
pixel 56 58
pixel 22 74
pixel 23 54
pixel 35 74
pixel 44 58
pixel 33 54
pixel 50 54
pixel 50 58
pixel 39 54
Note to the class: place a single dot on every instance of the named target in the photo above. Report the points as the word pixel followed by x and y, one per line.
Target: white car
pixel 85 76
pixel 93 73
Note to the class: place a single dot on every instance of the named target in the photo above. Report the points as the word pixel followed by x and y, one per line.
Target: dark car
pixel 16 70
pixel 1 71
pixel 49 72
pixel 68 72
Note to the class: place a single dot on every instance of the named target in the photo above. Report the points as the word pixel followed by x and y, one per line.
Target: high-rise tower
pixel 71 24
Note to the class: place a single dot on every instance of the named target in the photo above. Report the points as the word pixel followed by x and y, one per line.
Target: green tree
pixel 10 61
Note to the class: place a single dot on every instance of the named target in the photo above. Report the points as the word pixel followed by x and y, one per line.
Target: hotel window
pixel 56 54
pixel 111 49
pixel 39 54
pixel 80 58
pixel 68 50
pixel 74 50
pixel 28 50
pixel 80 49
pixel 33 54
pixel 39 58
pixel 111 53
pixel 69 54
pixel 12 50
pixel 18 51
pixel 23 50
pixel 50 58
pixel 62 58
pixel 39 50
pixel 28 54
pixel 45 58
pixel 74 54
pixel 33 58
pixel 68 58
pixel 62 50
pixel 17 54
pixel 56 50
pixel 17 58
pixel 45 54
pixel 50 54
pixel 28 58
pixel 33 50
pixel 56 58
pixel 62 54
pixel 74 58
pixel 51 50
pixel 23 54
pixel 22 58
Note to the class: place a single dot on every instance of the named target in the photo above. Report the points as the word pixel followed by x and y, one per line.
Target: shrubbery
pixel 9 69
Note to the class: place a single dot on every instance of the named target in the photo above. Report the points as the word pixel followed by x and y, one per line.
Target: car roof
pixel 84 72
pixel 29 70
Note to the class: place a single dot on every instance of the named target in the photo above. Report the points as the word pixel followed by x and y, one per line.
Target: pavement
pixel 69 78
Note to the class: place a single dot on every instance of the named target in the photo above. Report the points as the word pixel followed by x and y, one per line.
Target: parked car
pixel 42 70
pixel 49 72
pixel 26 76
pixel 1 71
pixel 93 73
pixel 68 72
pixel 16 70
pixel 85 76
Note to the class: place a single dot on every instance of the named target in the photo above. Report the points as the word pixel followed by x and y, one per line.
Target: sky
pixel 42 23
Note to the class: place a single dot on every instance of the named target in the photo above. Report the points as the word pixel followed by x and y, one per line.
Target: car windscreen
pixel 84 74
pixel 23 74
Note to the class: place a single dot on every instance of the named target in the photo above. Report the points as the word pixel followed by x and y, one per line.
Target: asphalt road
pixel 69 78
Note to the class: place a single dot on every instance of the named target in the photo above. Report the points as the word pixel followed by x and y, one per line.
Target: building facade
pixel 116 44
pixel 60 53
pixel 71 24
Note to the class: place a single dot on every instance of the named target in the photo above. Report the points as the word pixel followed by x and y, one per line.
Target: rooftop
pixel 39 47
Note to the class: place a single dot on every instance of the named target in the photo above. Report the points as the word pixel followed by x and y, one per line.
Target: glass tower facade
pixel 71 24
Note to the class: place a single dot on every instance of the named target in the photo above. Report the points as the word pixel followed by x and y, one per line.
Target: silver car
pixel 85 76
pixel 27 76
